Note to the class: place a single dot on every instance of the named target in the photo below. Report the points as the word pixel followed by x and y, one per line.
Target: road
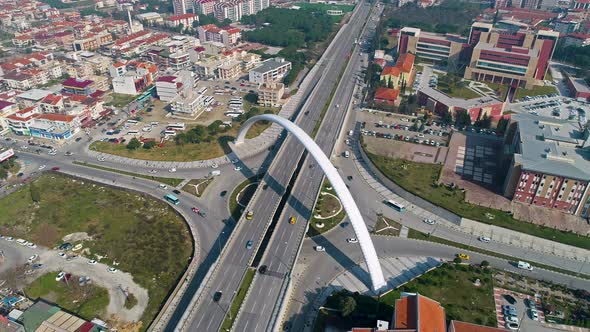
pixel 266 293
pixel 208 315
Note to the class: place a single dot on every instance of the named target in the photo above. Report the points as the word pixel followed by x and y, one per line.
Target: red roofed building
pixel 185 19
pixel 227 35
pixel 457 326
pixel 78 87
pixel 401 72
pixel 387 96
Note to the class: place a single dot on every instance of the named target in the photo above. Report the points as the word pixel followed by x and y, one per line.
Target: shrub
pixel 457 260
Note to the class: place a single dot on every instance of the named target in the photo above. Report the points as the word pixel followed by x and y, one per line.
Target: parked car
pixel 484 239
pixel 525 265
pixel 60 276
pixel 352 240
pixel 510 298
pixel 428 221
pixel 319 248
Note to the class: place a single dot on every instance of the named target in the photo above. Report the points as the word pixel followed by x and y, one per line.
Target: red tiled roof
pixel 387 94
pixel 405 62
pixel 169 79
pixel 76 83
pixel 390 70
pixel 181 17
pixel 51 99
pixel 56 117
pixel 431 315
pixel 4 104
pixel 468 327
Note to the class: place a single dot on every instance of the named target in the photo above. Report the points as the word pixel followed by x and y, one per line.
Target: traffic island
pixel 241 196
pixel 327 213
pixel 237 300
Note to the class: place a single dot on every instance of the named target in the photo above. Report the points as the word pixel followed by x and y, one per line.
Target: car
pixel 223 193
pixel 249 244
pixel 162 186
pixel 92 262
pixel 249 215
pixel 9 238
pixel 68 153
pixel 217 296
pixel 262 269
pixel 512 326
pixel 61 254
pixel 428 221
pixel 352 240
pixel 463 256
pixel 33 258
pixel 234 161
pixel 195 209
pixel 65 246
pixel 292 220
pixel 349 178
pixel 55 168
pixel 534 314
pixel 112 270
pixel 101 159
pixel 237 168
pixel 60 276
pixel 42 167
pixel 484 239
pixel 511 319
pixel 172 170
pixel 530 304
pixel 176 191
pixel 36 266
pixel 152 171
pixel 510 298
pixel 215 165
pixel 202 213
pixel 31 245
pixel 319 248
pixel 524 265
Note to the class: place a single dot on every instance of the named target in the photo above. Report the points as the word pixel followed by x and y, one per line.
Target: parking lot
pixel 524 306
pixel 553 106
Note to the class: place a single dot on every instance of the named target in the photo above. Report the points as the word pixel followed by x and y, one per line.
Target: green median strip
pixel 238 299
pixel 414 234
pixel 169 181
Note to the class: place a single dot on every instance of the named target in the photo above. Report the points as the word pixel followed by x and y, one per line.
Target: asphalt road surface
pixel 208 314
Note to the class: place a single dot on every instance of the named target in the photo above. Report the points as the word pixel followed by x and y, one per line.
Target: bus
pixel 176 126
pixel 132 132
pixel 202 91
pixel 169 133
pixel 132 122
pixel 395 205
pixel 172 199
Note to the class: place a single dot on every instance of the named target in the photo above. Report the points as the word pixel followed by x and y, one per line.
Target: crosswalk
pixel 396 270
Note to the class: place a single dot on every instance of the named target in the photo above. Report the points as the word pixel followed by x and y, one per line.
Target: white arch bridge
pixel 356 219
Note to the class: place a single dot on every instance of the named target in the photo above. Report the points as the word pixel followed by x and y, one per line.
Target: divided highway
pixel 208 315
pixel 260 309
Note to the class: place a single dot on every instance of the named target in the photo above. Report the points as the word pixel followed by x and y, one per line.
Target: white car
pixel 320 248
pixel 511 319
pixel 92 262
pixel 61 254
pixel 429 221
pixel 512 326
pixel 112 270
pixel 31 245
pixel 352 240
pixel 9 238
pixel 215 166
pixel 163 186
pixel 234 161
pixel 52 153
pixel 484 239
pixel 60 276
pixel 101 159
pixel 534 315
pixel 33 258
pixel 172 170
pixel 237 168
pixel 152 171
pixel 525 265
pixel 21 242
pixel 42 167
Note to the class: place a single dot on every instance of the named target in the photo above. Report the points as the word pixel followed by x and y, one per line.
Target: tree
pixel 346 305
pixel 35 195
pixel 149 144
pixel 133 144
pixel 462 118
pixel 390 83
pixel 457 260
pixel 502 125
pixel 484 263
pixel 252 98
pixel 447 117
pixel 484 122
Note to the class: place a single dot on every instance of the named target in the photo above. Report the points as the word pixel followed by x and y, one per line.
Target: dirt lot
pixel 409 151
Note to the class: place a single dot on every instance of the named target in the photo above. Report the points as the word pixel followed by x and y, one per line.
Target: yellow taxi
pixel 463 256
pixel 249 215
pixel 292 220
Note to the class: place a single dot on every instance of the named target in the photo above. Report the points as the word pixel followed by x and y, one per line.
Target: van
pixel 346 154
pixel 215 173
pixel 525 265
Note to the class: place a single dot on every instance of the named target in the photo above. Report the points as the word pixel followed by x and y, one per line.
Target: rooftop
pixel 553 146
pixel 34 94
pixel 76 83
pixel 458 326
pixel 270 64
pixel 579 84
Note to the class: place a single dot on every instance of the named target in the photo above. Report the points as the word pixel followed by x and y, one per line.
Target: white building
pixel 270 70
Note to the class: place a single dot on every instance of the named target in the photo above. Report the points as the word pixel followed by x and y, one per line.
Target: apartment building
pixel 91 42
pixel 235 9
pixel 182 6
pixel 204 7
pixel 185 19
pixel 517 58
pixel 189 103
pixel 228 36
pixel 78 86
pixel 132 77
pixel 150 18
pixel 270 94
pixel 229 69
pixel 162 57
pixel 170 86
pixel 270 70
pixel 550 163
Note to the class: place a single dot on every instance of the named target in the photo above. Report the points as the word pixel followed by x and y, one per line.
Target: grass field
pixel 171 151
pixel 120 100
pixel 325 206
pixel 169 181
pixel 146 237
pixel 537 90
pixel 386 226
pixel 88 301
pixel 238 299
pixel 460 92
pixel 420 179
pixel 501 89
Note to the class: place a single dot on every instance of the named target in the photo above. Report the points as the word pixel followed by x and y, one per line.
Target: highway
pixel 208 315
pixel 265 297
